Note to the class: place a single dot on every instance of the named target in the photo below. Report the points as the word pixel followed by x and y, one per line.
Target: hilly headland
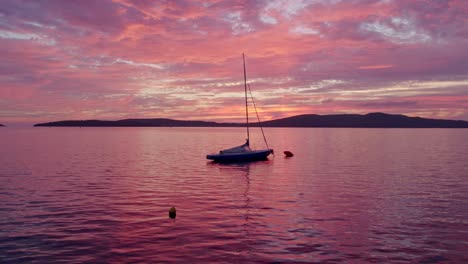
pixel 371 120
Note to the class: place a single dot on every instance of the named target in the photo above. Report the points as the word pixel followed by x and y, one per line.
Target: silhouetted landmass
pixel 372 120
pixel 1 125
pixel 151 122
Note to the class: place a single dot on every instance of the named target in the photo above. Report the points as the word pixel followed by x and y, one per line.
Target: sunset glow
pixel 183 59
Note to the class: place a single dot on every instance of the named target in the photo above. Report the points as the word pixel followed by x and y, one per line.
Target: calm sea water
pixel 348 195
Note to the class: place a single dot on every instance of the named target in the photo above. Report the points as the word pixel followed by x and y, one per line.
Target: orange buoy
pixel 288 153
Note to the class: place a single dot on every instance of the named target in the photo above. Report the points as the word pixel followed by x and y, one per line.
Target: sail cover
pixel 239 149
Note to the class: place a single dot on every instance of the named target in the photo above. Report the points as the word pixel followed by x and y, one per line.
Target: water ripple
pixel 348 195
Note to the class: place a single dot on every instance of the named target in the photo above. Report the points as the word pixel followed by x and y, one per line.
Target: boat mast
pixel 246 105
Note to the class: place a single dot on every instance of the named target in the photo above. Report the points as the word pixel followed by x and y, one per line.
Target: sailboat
pixel 243 152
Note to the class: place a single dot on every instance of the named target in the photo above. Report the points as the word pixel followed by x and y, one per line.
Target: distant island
pixel 371 120
pixel 150 122
pixel 1 125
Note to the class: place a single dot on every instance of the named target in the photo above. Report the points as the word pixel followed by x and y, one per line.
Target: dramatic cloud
pixel 183 59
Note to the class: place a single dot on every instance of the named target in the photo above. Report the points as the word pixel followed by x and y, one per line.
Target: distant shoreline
pixel 371 120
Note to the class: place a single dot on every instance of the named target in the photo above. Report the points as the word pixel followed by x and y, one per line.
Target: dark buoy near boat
pixel 172 212
pixel 288 154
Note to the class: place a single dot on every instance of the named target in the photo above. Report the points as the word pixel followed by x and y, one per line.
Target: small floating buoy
pixel 288 153
pixel 172 212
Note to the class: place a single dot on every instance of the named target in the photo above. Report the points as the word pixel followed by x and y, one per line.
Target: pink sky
pixel 183 59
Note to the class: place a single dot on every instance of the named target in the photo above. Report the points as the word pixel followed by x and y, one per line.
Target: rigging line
pixel 258 118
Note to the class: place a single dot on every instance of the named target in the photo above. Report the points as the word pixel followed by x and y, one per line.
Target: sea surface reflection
pixel 348 195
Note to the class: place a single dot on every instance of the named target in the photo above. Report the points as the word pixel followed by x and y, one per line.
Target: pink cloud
pixel 182 59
